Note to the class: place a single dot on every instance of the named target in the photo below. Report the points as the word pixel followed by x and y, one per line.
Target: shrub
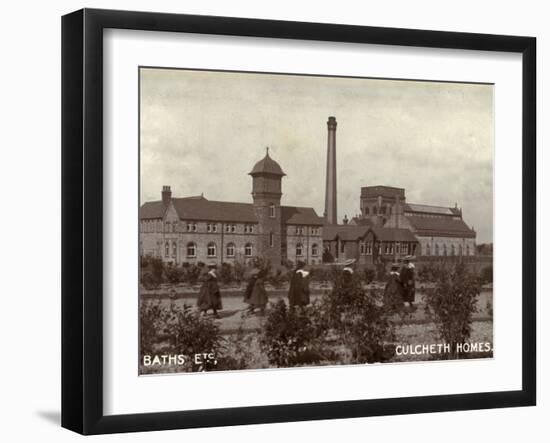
pixel 239 270
pixel 174 274
pixel 327 256
pixel 152 320
pixel 157 266
pixel 226 273
pixel 452 303
pixel 486 274
pixel 192 274
pixel 370 274
pixel 360 320
pixel 190 333
pixel 148 281
pixel 277 278
pixel 292 336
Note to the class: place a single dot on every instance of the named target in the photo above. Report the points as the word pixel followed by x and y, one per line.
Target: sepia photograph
pixel 293 221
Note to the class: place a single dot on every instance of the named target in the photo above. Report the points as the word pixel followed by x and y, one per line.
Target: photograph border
pixel 82 220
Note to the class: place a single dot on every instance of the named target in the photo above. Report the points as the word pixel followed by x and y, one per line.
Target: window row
pixel 191 249
pixel 174 226
pixel 387 248
pixel 444 250
pixel 302 230
pixel 376 210
pixel 300 250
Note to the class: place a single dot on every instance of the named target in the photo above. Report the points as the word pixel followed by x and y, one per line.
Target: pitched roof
pixel 200 208
pixel 293 215
pixel 429 209
pixel 344 232
pixel 393 234
pixel 440 226
pixel 267 166
pixel 154 209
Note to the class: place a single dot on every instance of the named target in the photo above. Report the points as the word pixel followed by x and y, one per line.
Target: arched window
pixel 174 249
pixel 445 250
pixel 167 249
pixel 362 247
pixel 459 249
pixel 272 211
pixel 248 250
pixel 367 210
pixel 211 249
pixel 175 226
pixel 453 252
pixel 167 227
pixel 314 250
pixel 299 250
pixel 436 249
pixel 467 249
pixel 230 250
pixel 271 239
pixel 191 249
pixel 428 251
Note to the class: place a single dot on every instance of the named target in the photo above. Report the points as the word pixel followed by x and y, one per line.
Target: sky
pixel 201 132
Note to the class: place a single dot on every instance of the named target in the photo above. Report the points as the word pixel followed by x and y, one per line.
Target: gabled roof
pixel 393 234
pixel 440 226
pixel 267 166
pixel 200 208
pixel 344 232
pixel 150 210
pixel 429 209
pixel 293 215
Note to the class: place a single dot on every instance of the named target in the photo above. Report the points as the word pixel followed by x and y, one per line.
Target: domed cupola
pixel 267 166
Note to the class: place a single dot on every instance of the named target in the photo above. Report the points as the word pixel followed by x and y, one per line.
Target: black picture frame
pixel 82 218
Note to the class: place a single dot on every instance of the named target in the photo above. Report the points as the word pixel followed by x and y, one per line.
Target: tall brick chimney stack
pixel 331 214
pixel 166 195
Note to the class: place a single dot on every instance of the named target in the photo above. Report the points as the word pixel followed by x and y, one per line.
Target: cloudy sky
pixel 202 132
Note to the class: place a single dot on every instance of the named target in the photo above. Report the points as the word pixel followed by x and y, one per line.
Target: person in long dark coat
pixel 393 291
pixel 298 292
pixel 407 277
pixel 209 294
pixel 256 296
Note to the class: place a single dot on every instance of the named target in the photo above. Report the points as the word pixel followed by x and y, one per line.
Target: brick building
pixel 195 229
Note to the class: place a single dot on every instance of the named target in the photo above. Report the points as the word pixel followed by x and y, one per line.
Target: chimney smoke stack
pixel 166 195
pixel 330 192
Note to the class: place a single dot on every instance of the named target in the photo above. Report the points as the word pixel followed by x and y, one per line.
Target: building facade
pixel 195 229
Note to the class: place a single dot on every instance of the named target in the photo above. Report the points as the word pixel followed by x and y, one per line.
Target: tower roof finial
pixel 267 150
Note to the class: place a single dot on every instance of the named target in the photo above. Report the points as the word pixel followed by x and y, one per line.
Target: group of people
pixel 400 286
pixel 255 294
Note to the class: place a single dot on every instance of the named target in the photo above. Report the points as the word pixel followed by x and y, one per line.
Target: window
pixel 453 250
pixel 248 229
pixel 404 248
pixel 436 249
pixel 368 248
pixel 445 250
pixel 175 226
pixel 388 249
pixel 383 210
pixel 428 252
pixel 248 250
pixel 362 247
pixel 271 239
pixel 230 250
pixel 174 249
pixel 208 227
pixel 367 211
pixel 272 211
pixel 214 227
pixel 191 249
pixel 375 210
pixel 167 227
pixel 467 249
pixel 299 250
pixel 233 228
pixel 188 227
pixel 342 247
pixel 459 249
pixel 227 227
pixel 167 249
pixel 314 250
pixel 211 249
